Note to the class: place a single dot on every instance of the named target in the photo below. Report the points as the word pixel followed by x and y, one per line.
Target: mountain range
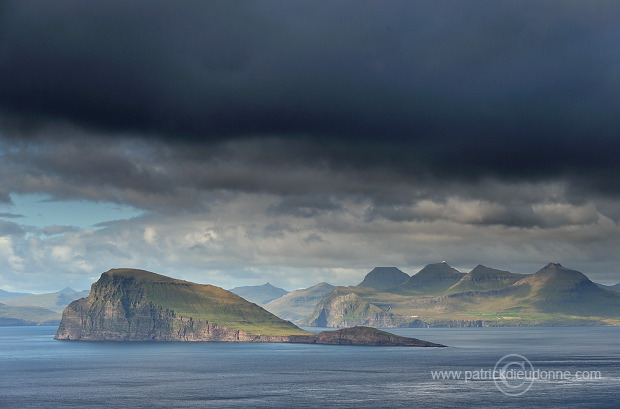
pixel 138 305
pixel 6 295
pixel 36 309
pixel 56 301
pixel 17 316
pixel 439 295
pixel 383 278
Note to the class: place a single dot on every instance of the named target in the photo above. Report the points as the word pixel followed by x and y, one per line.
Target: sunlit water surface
pixel 38 372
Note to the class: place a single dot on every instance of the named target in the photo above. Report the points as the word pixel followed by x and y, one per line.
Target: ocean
pixel 569 367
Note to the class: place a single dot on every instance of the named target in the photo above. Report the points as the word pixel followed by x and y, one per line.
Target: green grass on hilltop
pixel 553 296
pixel 204 302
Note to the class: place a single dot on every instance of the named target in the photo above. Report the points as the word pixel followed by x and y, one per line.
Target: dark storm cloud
pixel 450 90
pixel 73 167
pixel 522 215
pixel 174 179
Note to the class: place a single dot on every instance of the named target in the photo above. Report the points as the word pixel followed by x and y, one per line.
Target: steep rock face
pixel 111 321
pixel 345 310
pixel 134 305
pixel 150 323
pixel 383 278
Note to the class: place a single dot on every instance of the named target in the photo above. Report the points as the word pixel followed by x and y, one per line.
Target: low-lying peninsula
pixel 137 305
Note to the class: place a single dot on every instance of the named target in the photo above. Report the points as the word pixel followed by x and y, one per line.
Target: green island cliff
pixel 137 305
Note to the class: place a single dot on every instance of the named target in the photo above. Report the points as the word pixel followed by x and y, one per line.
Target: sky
pixel 235 143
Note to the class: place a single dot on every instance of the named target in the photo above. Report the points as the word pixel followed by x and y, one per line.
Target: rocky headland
pixel 136 305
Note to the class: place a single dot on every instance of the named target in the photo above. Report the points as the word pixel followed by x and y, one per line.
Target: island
pixel 138 305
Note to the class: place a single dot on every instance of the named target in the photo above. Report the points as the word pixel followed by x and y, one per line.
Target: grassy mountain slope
pixel 552 296
pixel 203 302
pixel 485 278
pixel 556 289
pixel 298 304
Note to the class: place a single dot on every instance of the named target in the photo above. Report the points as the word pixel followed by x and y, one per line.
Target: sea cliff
pixel 136 305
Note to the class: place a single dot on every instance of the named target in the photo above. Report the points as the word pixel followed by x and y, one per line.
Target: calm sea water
pixel 39 372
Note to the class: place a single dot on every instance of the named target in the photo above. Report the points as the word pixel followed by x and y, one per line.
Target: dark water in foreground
pixel 38 372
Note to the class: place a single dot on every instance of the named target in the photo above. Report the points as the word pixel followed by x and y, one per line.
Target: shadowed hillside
pixel 383 278
pixel 485 278
pixel 259 294
pixel 432 279
pixel 298 304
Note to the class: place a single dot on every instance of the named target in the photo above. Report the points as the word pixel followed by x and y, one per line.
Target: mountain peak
pixel 554 265
pixel 260 294
pixel 481 270
pixel 554 279
pixel 559 270
pixel 433 278
pixel 322 284
pixel 438 268
pixel 384 277
pixel 485 278
pixel 67 290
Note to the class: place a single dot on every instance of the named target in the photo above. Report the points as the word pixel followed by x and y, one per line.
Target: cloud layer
pixel 291 141
pixel 448 88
